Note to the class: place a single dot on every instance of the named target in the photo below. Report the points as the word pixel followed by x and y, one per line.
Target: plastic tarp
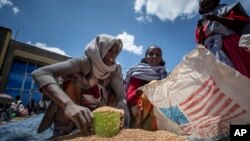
pixel 24 130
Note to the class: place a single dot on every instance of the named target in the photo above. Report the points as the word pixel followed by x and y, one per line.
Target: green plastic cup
pixel 13 115
pixel 107 122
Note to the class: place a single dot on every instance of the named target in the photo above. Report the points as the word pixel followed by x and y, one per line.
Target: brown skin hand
pixel 81 116
pixel 230 23
pixel 207 5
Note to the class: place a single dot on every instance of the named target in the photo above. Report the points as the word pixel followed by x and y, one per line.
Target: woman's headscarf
pixel 146 72
pixel 143 60
pixel 96 51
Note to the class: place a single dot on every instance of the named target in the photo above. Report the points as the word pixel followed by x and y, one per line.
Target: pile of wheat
pixel 106 127
pixel 126 135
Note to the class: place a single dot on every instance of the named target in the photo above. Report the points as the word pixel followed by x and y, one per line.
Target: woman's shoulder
pixel 83 62
pixel 134 79
pixel 117 72
pixel 118 67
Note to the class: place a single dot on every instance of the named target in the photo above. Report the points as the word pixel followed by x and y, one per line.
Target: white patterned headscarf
pixel 96 51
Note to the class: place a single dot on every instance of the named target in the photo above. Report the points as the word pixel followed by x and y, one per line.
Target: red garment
pixel 78 95
pixel 134 83
pixel 237 15
pixel 239 56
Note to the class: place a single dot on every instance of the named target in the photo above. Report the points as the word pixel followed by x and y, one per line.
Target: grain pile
pixel 126 135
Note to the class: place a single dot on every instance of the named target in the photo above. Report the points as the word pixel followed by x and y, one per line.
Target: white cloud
pixel 139 4
pixel 128 43
pixel 3 3
pixel 15 10
pixel 45 47
pixel 142 18
pixel 166 9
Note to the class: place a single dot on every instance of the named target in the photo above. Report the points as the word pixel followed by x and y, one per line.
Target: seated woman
pixel 84 86
pixel 151 67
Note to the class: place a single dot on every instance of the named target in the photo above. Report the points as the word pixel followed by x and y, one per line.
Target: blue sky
pixel 66 26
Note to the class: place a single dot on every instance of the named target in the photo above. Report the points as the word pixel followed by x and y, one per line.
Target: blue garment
pixel 214 44
pixel 216 31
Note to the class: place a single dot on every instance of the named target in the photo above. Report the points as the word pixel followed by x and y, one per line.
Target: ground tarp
pixel 24 130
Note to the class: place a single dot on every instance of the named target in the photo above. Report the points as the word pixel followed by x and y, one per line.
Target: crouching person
pixel 87 82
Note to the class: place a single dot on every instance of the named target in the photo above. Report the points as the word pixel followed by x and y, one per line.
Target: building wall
pixel 5 35
pixel 18 61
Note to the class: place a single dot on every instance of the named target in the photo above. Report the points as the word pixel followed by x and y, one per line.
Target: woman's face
pixel 154 57
pixel 206 5
pixel 110 57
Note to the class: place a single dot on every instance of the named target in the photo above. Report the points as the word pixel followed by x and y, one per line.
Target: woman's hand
pixel 231 22
pixel 139 92
pixel 81 116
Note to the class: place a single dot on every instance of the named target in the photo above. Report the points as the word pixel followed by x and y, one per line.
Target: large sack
pixel 245 41
pixel 200 98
